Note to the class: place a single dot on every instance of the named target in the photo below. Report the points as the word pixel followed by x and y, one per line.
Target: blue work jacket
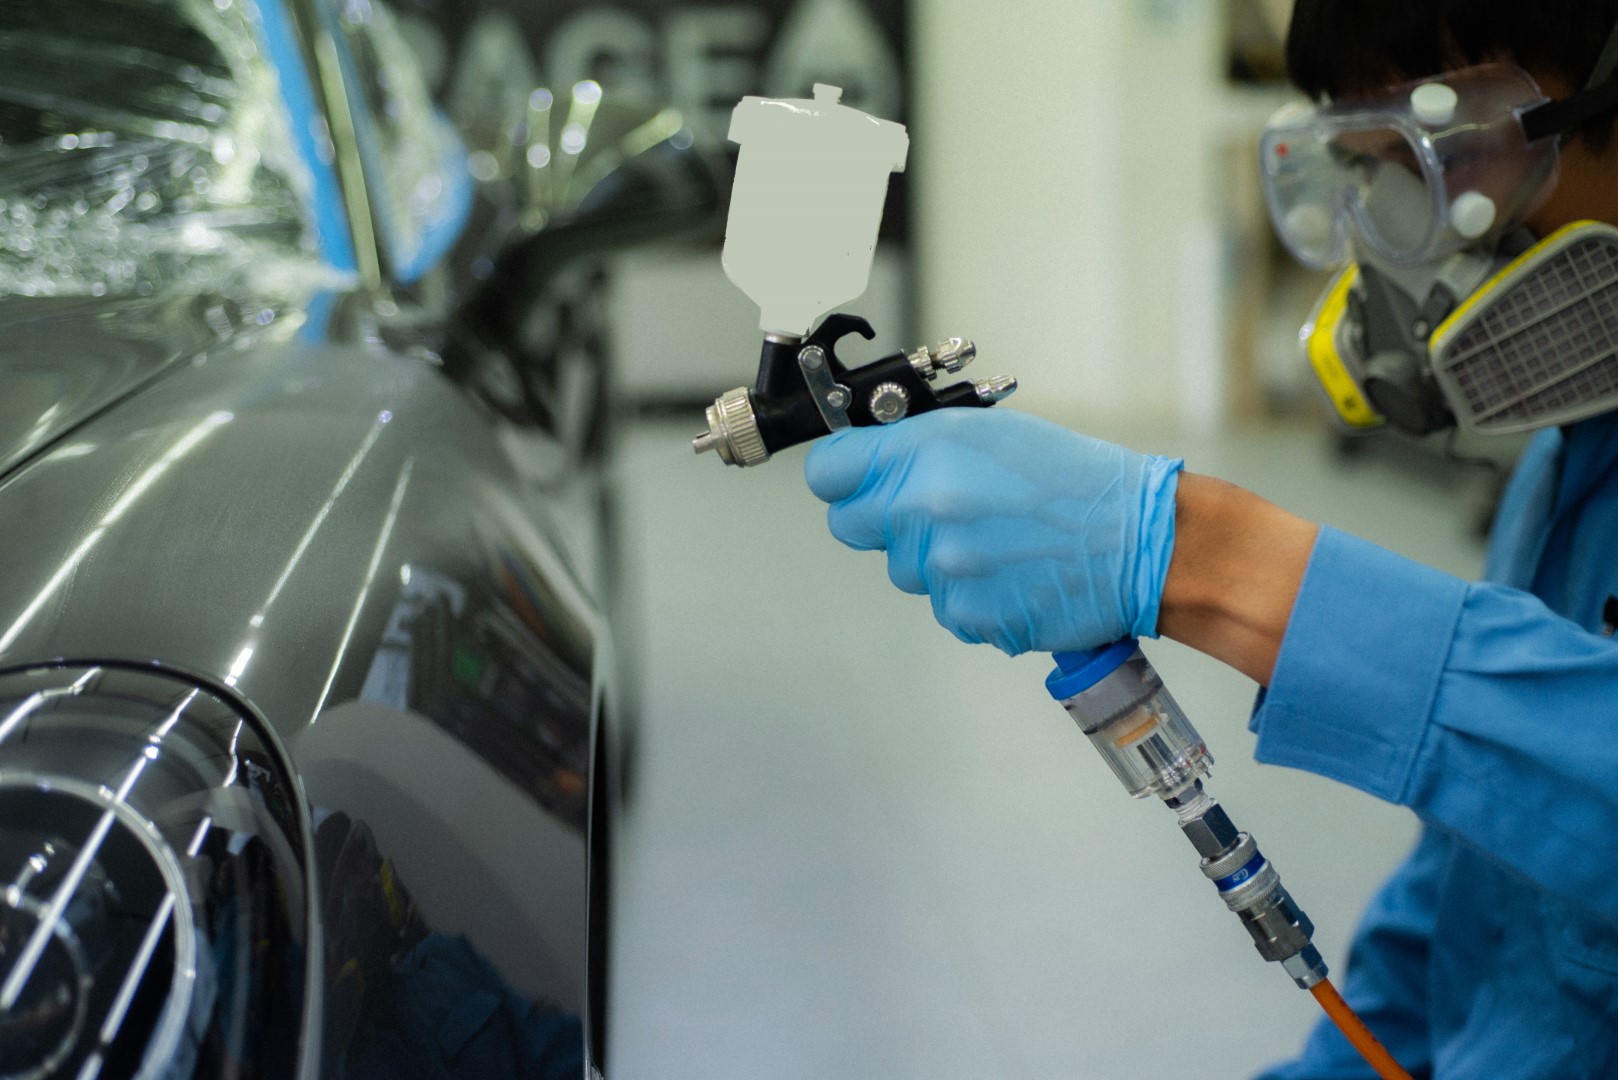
pixel 1491 710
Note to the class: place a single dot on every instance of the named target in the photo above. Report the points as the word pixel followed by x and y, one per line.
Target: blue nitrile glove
pixel 1026 535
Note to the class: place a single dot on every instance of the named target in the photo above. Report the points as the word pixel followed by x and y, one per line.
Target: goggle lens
pixel 1324 184
pixel 1416 173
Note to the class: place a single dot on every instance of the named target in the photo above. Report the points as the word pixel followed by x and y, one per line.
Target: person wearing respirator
pixel 1461 165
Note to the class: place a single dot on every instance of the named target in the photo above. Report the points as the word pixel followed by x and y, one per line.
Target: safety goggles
pixel 1416 172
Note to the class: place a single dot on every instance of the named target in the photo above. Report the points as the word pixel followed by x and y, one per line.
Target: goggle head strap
pixel 1600 94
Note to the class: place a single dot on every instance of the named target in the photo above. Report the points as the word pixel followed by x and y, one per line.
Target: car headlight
pixel 154 905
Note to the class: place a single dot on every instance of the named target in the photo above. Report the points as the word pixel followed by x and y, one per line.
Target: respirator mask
pixel 1450 313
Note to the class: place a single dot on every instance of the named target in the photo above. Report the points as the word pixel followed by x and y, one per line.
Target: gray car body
pixel 334 539
pixel 256 519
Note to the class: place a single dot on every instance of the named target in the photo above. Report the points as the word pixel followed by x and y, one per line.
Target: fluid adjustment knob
pixel 995 389
pixel 889 402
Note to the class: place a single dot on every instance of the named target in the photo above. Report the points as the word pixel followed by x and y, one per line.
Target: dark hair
pixel 1341 46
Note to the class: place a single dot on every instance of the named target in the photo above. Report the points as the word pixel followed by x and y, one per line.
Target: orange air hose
pixel 1349 1023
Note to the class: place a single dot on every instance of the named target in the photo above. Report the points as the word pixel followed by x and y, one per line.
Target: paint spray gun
pixel 804 214
pixel 803 222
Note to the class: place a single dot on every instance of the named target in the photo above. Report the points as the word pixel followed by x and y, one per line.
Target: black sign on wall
pixel 699 57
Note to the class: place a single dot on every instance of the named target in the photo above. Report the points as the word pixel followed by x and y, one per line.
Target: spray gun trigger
pixel 830 396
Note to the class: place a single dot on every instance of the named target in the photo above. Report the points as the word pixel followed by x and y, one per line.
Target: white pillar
pixel 1062 200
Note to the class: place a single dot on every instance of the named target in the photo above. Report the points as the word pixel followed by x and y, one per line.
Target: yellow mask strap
pixel 1320 341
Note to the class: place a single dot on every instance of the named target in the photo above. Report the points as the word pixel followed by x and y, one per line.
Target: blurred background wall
pixel 1084 205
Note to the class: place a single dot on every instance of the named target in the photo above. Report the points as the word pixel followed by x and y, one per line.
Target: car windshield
pixel 145 146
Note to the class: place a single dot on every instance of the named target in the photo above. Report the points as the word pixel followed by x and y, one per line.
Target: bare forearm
pixel 1238 562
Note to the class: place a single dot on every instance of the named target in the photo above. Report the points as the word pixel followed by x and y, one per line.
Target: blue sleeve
pixel 1493 718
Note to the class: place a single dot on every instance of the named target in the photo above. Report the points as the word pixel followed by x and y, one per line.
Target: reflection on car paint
pixel 488 657
pixel 148 148
pixel 401 994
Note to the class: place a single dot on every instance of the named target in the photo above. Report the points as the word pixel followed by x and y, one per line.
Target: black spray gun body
pixel 804 391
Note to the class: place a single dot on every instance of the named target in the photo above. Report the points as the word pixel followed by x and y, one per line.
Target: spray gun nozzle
pixel 733 430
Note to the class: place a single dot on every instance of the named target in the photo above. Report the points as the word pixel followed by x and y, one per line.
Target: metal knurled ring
pixel 735 416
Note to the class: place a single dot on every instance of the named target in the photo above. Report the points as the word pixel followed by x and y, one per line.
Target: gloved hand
pixel 1024 534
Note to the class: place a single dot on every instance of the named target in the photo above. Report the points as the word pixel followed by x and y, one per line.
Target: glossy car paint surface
pixel 116 346
pixel 300 617
pixel 334 534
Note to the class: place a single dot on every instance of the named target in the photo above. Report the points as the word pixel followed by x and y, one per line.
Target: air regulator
pixel 1121 705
